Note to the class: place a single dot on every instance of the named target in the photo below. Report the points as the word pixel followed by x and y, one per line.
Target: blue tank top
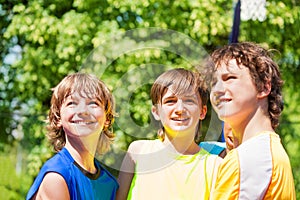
pixel 81 184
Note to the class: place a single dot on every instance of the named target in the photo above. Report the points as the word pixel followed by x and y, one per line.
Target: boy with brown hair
pixel 246 94
pixel 173 166
pixel 79 125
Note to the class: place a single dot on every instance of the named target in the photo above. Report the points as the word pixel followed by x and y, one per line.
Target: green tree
pixel 58 36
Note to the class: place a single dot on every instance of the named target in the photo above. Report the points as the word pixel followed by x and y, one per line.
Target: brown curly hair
pixel 182 81
pixel 262 70
pixel 93 88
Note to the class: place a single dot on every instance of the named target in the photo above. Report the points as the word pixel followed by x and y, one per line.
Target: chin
pixel 221 114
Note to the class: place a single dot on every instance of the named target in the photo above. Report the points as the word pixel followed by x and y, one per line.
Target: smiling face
pixel 182 87
pixel 82 116
pixel 233 94
pixel 179 114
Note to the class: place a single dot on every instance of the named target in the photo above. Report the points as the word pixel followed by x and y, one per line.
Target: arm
pixel 227 182
pixel 125 177
pixel 53 186
pixel 215 167
pixel 127 170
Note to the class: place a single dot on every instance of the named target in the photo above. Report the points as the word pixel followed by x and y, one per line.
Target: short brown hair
pixel 182 81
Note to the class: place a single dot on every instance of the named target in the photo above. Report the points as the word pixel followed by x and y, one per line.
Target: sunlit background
pixel 42 41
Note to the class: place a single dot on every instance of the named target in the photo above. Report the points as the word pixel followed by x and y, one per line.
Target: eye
pixel 191 101
pixel 229 77
pixel 94 103
pixel 170 101
pixel 70 103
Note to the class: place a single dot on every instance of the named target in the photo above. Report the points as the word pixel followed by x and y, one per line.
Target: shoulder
pixel 137 146
pixel 212 161
pixel 228 178
pixel 53 182
pixel 59 164
pixel 230 164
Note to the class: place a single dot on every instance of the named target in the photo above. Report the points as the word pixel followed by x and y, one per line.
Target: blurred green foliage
pixel 58 37
pixel 14 180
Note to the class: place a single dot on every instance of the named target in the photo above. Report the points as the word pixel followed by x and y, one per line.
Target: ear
pixel 155 113
pixel 106 123
pixel 203 112
pixel 266 91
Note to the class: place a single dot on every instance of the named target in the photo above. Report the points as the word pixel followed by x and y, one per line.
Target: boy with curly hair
pixel 79 126
pixel 246 94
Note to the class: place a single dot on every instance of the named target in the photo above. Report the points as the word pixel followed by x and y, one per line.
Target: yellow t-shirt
pixel 258 169
pixel 161 174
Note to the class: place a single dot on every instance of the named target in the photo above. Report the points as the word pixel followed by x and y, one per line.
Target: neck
pixel 83 151
pixel 251 126
pixel 183 145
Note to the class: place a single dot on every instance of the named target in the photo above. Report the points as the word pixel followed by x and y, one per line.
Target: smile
pixel 179 119
pixel 222 100
pixel 83 122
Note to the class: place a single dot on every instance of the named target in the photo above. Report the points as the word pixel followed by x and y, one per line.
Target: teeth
pixel 175 119
pixel 82 122
pixel 219 101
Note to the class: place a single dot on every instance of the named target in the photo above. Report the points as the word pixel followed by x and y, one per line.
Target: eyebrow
pixel 181 96
pixel 191 95
pixel 169 97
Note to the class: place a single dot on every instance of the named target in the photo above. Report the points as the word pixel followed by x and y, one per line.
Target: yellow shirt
pixel 161 174
pixel 258 169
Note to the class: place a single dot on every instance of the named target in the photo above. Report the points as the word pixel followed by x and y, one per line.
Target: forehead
pixel 229 66
pixel 80 95
pixel 187 93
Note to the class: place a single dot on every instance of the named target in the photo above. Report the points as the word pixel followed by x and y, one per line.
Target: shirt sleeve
pixel 227 183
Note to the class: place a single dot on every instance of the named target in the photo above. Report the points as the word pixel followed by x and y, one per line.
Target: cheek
pixel 162 114
pixel 100 114
pixel 193 109
pixel 197 112
pixel 163 110
pixel 63 115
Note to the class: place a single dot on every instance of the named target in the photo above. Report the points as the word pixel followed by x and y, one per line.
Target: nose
pixel 179 106
pixel 217 86
pixel 82 109
pixel 217 90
